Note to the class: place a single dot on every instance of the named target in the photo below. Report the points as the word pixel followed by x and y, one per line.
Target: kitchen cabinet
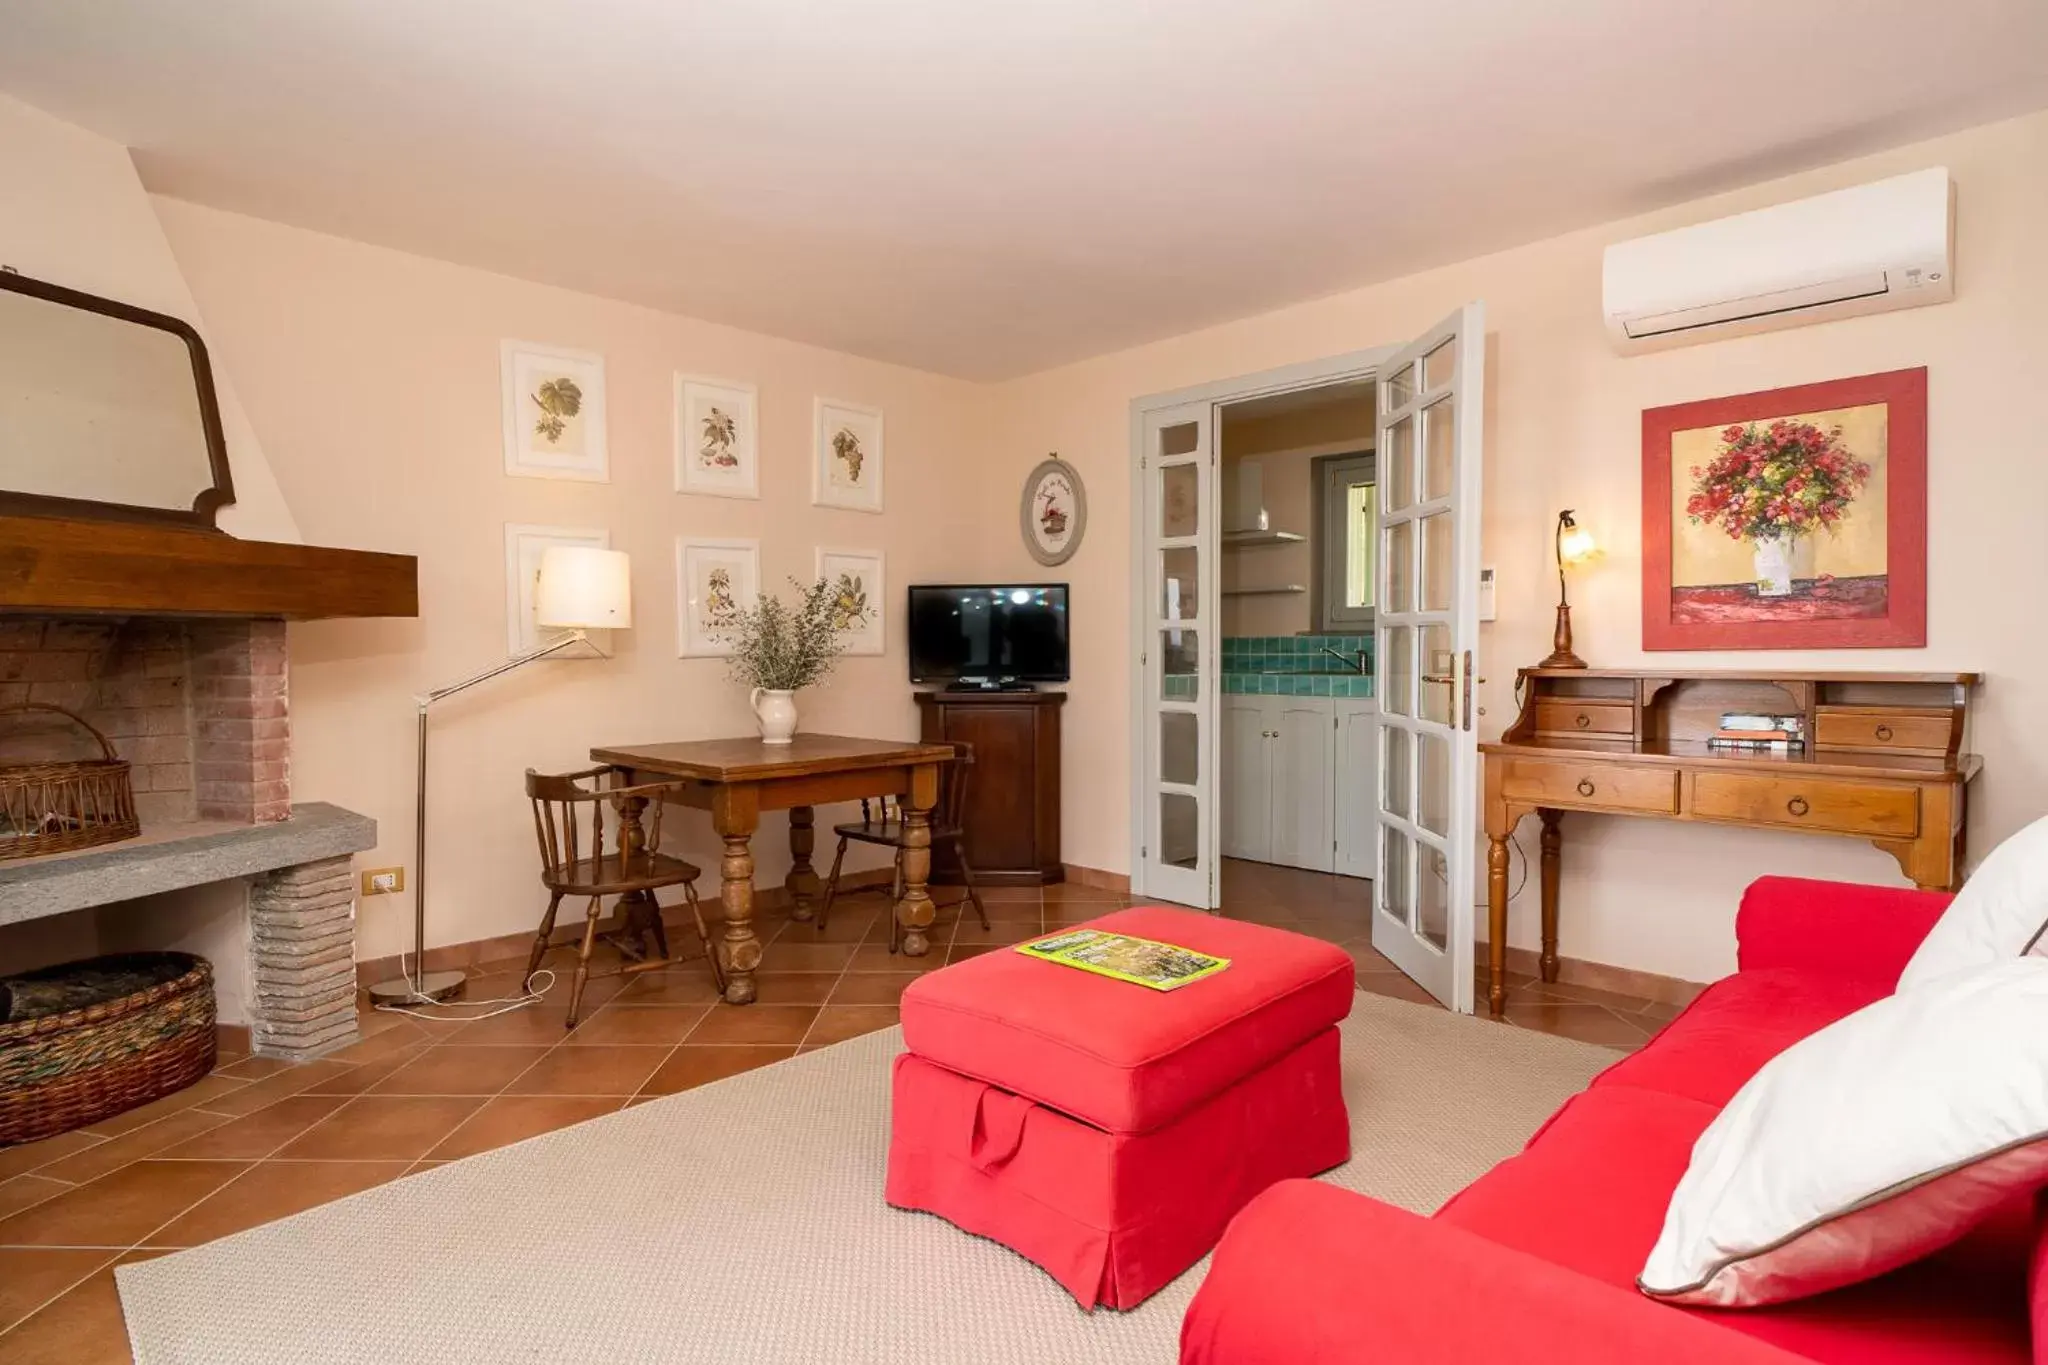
pixel 1298 778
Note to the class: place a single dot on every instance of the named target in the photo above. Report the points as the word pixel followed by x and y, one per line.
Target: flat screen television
pixel 988 634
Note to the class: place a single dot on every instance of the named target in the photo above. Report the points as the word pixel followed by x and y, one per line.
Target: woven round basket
pixel 55 807
pixel 72 1067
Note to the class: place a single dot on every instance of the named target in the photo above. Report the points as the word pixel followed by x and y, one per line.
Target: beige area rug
pixel 743 1224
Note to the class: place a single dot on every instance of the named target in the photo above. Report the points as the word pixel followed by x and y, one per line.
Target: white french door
pixel 1178 652
pixel 1430 398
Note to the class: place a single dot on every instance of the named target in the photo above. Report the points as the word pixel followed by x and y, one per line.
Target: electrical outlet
pixel 382 881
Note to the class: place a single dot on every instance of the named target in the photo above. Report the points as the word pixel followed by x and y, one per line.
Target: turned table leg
pixel 1497 924
pixel 914 912
pixel 735 814
pixel 640 936
pixel 802 881
pixel 1553 845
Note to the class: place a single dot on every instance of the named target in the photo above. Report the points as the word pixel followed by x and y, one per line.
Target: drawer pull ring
pixel 1884 732
pixel 1797 805
pixel 1584 720
pixel 1585 786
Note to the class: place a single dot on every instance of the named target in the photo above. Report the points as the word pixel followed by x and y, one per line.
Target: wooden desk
pixel 736 779
pixel 1882 762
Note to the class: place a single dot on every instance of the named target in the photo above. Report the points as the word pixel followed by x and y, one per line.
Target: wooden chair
pixel 568 818
pixel 881 822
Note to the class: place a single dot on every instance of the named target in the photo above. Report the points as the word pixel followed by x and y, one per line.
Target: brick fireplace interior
pixel 199 708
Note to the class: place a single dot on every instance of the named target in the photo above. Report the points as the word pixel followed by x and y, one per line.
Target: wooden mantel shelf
pixel 85 567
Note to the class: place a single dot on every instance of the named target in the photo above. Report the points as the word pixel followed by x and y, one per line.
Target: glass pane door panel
pixel 1400 780
pixel 1434 696
pixel 1397 868
pixel 1437 575
pixel 1181 590
pixel 1438 366
pixel 1180 670
pixel 1180 439
pixel 1433 783
pixel 1401 567
pixel 1439 443
pixel 1180 828
pixel 1397 468
pixel 1432 898
pixel 1180 747
pixel 1400 385
pixel 1398 676
pixel 1180 500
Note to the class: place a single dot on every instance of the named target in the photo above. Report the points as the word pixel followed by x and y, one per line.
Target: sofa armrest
pixel 1309 1274
pixel 1843 929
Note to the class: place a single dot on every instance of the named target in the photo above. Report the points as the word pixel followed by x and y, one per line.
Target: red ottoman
pixel 1107 1131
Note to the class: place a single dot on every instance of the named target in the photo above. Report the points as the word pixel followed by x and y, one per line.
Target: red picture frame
pixel 1697 618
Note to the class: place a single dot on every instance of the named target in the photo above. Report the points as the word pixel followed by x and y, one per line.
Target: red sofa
pixel 1536 1261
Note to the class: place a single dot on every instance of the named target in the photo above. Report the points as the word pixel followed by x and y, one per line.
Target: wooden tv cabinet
pixel 1012 813
pixel 1883 761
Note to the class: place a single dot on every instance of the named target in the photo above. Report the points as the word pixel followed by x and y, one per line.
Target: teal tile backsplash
pixel 1295 665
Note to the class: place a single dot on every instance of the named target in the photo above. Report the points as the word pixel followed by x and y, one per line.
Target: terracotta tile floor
pixel 259 1139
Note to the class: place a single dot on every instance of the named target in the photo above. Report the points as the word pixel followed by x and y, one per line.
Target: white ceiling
pixel 986 188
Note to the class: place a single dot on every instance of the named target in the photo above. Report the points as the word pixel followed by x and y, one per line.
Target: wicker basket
pixel 57 807
pixel 66 1070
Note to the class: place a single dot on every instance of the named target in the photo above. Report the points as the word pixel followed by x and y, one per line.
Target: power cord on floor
pixel 531 996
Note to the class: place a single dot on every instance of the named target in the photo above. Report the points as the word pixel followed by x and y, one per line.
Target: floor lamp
pixel 578 588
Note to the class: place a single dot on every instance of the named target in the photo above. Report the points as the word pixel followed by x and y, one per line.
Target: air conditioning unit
pixel 1886 245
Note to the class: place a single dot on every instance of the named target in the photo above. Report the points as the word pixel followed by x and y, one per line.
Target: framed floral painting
pixel 857 597
pixel 554 412
pixel 716 579
pixel 717 438
pixel 847 464
pixel 1789 519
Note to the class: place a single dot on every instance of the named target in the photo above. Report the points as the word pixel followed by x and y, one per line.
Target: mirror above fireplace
pixel 107 411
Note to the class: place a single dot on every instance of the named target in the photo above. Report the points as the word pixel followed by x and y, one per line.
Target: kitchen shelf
pixel 1282 589
pixel 1232 538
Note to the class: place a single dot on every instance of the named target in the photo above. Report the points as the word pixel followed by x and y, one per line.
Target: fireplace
pixel 173 643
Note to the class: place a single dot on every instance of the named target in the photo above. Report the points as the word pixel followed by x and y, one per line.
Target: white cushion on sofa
pixel 1998 915
pixel 1881 1138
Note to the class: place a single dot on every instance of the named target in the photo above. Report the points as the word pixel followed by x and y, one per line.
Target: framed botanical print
pixel 858 596
pixel 846 466
pixel 1054 513
pixel 1790 519
pixel 554 412
pixel 717 438
pixel 524 546
pixel 716 579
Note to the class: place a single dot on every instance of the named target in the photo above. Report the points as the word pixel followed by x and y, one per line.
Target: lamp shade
pixel 1575 545
pixel 584 588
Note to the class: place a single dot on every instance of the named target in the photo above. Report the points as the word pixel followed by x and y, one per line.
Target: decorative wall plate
pixel 1054 513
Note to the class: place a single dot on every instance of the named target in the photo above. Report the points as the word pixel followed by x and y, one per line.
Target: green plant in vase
pixel 778 649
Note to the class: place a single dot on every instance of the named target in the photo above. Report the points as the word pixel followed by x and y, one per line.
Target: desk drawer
pixel 1585 718
pixel 1875 731
pixel 1865 808
pixel 1588 784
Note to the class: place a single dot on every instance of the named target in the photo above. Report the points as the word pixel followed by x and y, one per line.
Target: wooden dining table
pixel 736 779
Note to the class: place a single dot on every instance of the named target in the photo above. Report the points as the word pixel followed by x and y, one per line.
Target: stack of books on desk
pixel 1759 732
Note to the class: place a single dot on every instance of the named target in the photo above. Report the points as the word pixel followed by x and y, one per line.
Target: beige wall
pixel 374 377
pixel 1285 445
pixel 1563 414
